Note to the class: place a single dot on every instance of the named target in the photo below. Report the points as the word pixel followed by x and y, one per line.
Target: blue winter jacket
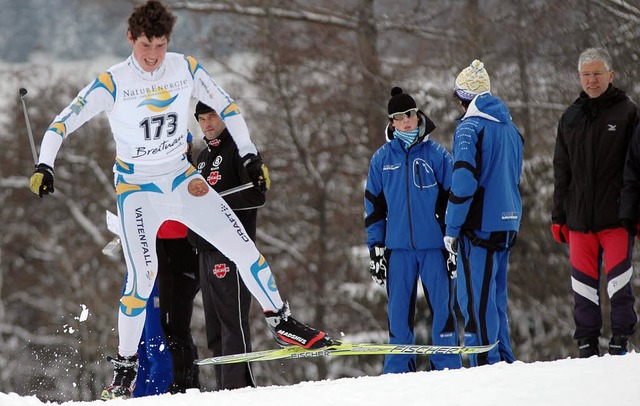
pixel 406 193
pixel 487 154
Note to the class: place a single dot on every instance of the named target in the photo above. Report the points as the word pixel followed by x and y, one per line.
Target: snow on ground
pixel 606 380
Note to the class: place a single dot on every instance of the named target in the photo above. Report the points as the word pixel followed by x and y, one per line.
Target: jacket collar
pixel 216 142
pixel 426 127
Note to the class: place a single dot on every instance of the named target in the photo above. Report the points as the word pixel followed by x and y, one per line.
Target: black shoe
pixel 287 330
pixel 589 347
pixel 185 372
pixel 618 345
pixel 124 378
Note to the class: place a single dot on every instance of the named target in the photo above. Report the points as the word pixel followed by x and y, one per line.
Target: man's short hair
pixel 595 54
pixel 152 20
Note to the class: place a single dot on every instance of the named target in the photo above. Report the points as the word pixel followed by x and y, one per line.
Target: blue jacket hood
pixel 487 106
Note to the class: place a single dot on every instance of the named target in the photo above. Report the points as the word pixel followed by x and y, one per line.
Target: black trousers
pixel 178 284
pixel 226 302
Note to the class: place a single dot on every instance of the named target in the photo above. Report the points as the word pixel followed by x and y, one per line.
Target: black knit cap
pixel 202 108
pixel 400 101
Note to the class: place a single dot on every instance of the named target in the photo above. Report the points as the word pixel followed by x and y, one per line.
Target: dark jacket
pixel 591 146
pixel 222 168
pixel 630 195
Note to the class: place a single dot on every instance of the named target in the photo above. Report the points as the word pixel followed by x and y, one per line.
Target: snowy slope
pixel 596 381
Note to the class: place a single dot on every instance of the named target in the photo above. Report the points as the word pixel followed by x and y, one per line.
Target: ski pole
pixel 113 247
pixel 236 189
pixel 23 92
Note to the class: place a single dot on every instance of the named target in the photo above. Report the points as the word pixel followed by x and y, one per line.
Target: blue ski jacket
pixel 487 154
pixel 406 193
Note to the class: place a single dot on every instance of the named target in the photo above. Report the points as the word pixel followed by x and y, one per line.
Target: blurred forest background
pixel 313 79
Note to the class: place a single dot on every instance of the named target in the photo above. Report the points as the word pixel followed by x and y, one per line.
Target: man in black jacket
pixel 630 195
pixel 591 145
pixel 225 298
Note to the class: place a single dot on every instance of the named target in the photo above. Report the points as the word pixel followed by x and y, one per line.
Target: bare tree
pixel 313 82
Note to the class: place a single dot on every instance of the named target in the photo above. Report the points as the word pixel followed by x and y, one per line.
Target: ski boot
pixel 288 331
pixel 618 345
pixel 185 372
pixel 588 347
pixel 124 378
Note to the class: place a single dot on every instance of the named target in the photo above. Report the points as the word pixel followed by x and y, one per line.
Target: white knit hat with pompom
pixel 472 81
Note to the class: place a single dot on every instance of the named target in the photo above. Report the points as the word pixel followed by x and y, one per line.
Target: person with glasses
pixel 405 198
pixel 484 211
pixel 589 212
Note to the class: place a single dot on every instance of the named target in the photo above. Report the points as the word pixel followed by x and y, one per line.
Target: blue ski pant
pixel 482 296
pixel 405 268
pixel 155 365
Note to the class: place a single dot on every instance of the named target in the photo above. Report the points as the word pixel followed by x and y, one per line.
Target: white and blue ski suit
pixel 403 190
pixel 484 212
pixel 148 115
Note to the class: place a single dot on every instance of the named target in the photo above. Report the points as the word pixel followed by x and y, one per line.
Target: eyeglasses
pixel 596 75
pixel 400 116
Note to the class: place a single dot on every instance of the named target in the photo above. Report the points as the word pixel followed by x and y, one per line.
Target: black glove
pixel 41 182
pixel 451 244
pixel 452 268
pixel 630 225
pixel 257 171
pixel 378 264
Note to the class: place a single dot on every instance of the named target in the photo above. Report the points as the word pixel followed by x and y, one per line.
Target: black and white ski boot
pixel 288 331
pixel 124 378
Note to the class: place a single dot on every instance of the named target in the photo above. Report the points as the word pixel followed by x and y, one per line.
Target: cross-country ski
pixel 341 350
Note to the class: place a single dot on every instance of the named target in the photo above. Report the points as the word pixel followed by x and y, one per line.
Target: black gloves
pixel 378 264
pixel 452 267
pixel 257 171
pixel 451 244
pixel 41 182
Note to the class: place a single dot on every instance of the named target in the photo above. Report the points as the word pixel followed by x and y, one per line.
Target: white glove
pixel 451 244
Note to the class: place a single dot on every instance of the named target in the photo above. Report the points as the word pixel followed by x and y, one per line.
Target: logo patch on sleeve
pixel 198 187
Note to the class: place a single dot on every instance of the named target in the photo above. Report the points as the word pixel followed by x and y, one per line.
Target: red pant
pixel 587 251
